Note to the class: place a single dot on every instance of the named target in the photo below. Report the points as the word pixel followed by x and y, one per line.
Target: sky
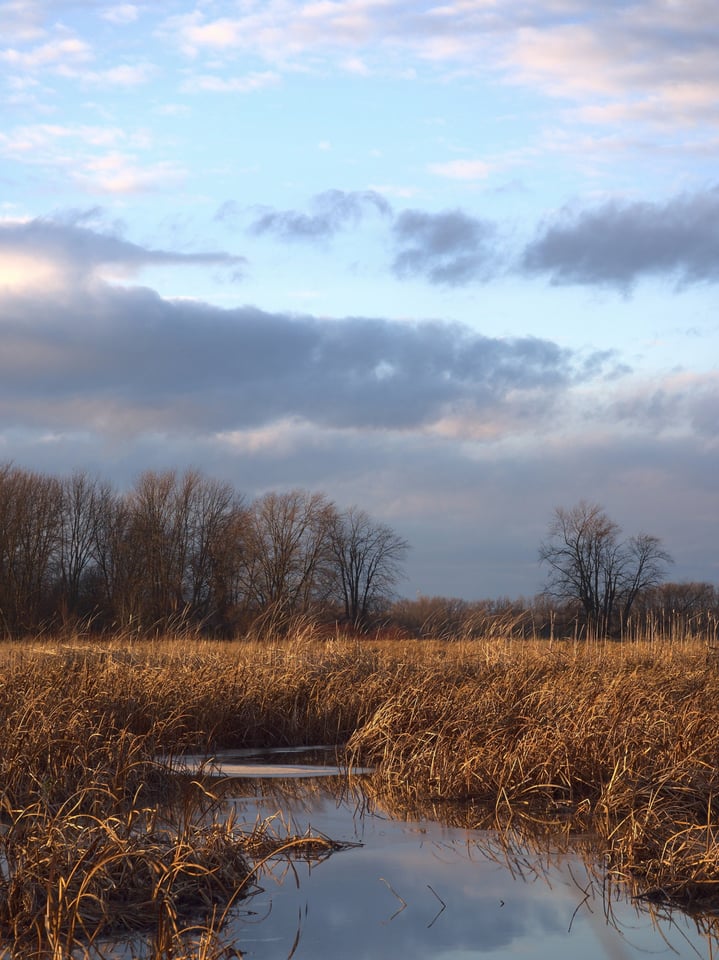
pixel 455 263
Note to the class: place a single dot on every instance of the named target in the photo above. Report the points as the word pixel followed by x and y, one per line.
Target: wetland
pixel 548 799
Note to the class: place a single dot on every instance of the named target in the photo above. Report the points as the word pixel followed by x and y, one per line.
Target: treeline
pixel 600 584
pixel 180 551
pixel 186 552
pixel 667 611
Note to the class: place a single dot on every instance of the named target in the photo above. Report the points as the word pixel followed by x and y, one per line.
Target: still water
pixel 424 890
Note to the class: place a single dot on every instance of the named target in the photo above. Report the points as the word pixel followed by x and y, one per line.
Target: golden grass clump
pixel 623 741
pixel 98 836
pixel 75 878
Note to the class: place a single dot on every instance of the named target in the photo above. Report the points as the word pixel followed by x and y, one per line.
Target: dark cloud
pixel 618 243
pixel 333 210
pixel 447 248
pixel 125 353
pixel 685 400
pixel 605 363
pixel 704 409
pixel 187 362
pixel 79 249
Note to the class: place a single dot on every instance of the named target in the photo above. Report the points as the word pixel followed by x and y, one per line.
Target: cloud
pixel 69 56
pixel 132 356
pixel 244 84
pixel 73 151
pixel 333 210
pixel 121 14
pixel 619 50
pixel 276 30
pixel 122 75
pixel 679 402
pixel 655 59
pixel 356 65
pixel 650 60
pixel 121 173
pixel 450 248
pixel 22 20
pixel 53 53
pixel 281 32
pixel 71 251
pixel 618 243
pixel 135 358
pixel 36 141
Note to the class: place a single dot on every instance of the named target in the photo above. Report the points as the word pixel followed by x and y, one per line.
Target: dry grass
pixel 620 740
pixel 98 839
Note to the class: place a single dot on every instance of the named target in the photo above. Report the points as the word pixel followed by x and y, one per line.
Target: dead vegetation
pixel 99 839
pixel 617 740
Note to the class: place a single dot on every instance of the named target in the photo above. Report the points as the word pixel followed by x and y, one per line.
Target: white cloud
pixel 53 53
pixel 27 271
pixel 194 34
pixel 118 173
pixel 279 31
pixel 355 65
pixel 623 56
pixel 22 20
pixel 70 56
pixel 76 249
pixel 123 75
pixel 674 106
pixel 287 435
pixel 654 61
pixel 38 140
pixel 243 84
pixel 97 159
pixel 121 14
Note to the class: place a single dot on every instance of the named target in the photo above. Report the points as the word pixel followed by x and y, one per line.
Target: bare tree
pixel 287 563
pixel 368 558
pixel 83 497
pixel 114 571
pixel 156 546
pixel 216 526
pixel 172 557
pixel 591 566
pixel 646 563
pixel 30 512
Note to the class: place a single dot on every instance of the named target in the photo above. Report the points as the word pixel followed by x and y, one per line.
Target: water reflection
pixel 416 887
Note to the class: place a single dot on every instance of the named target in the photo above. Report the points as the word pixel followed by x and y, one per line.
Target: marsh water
pixel 417 887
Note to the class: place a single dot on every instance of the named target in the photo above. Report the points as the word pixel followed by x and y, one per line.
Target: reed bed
pixel 620 740
pixel 100 837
